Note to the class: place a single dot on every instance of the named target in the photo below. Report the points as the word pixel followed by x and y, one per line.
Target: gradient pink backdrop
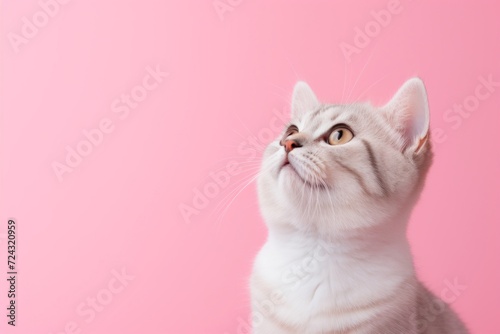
pixel 228 76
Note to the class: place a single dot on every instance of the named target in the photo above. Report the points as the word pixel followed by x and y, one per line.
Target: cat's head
pixel 346 166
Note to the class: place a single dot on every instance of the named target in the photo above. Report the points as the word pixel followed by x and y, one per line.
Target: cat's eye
pixel 339 136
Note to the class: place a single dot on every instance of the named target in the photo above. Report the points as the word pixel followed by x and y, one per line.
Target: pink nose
pixel 290 144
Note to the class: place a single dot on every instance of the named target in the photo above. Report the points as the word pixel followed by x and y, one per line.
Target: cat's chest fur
pixel 326 288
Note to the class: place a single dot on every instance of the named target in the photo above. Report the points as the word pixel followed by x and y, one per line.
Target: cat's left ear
pixel 408 112
pixel 303 100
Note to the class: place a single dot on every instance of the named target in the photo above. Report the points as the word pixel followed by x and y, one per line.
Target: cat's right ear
pixel 303 100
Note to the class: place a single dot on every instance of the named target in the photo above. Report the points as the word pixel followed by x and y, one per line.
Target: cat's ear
pixel 303 100
pixel 408 112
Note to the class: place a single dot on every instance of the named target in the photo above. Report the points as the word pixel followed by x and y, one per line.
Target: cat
pixel 336 190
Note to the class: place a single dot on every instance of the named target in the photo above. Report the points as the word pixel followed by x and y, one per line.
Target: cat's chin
pixel 292 178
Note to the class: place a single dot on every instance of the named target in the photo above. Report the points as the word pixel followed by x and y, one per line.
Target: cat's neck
pixel 384 245
pixel 392 231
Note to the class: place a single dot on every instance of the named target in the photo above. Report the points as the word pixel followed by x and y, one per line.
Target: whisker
pixel 237 189
pixel 369 87
pixel 359 76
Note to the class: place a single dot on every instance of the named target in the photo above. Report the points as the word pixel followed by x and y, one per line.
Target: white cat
pixel 336 191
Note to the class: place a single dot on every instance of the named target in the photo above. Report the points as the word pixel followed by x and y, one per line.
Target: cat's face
pixel 346 166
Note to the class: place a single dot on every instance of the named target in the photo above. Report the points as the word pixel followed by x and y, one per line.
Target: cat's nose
pixel 290 144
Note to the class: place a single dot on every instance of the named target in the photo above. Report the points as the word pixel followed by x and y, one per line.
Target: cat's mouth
pixel 288 166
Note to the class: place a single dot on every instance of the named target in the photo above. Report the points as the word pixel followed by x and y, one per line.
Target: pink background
pixel 120 207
